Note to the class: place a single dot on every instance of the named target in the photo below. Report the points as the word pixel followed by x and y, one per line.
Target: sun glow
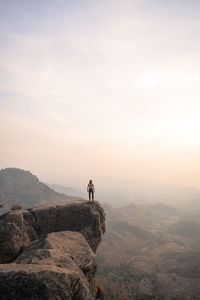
pixel 150 79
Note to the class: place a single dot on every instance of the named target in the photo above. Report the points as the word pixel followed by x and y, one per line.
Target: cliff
pixel 48 252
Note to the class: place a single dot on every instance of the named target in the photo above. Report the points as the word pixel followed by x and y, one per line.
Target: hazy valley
pixel 150 252
pixel 151 248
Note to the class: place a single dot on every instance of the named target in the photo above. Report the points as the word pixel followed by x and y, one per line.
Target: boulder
pixel 81 216
pixel 46 282
pixel 51 250
pixel 19 228
pixel 15 233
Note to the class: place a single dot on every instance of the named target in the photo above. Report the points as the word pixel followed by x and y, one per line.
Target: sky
pixel 101 89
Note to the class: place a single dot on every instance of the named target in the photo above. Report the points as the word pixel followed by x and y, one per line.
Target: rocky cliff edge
pixel 48 252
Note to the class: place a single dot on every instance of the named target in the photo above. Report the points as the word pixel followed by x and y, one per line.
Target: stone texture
pixel 52 251
pixel 46 282
pixel 15 233
pixel 19 228
pixel 82 216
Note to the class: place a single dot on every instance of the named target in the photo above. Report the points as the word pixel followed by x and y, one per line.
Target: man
pixel 91 190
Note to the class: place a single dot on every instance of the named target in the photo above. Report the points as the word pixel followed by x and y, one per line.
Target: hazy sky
pixel 90 89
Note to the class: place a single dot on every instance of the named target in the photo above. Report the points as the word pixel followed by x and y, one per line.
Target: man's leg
pixel 89 194
pixel 92 195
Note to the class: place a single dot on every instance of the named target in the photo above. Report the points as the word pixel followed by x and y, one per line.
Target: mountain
pixel 146 250
pixel 22 186
pixel 67 190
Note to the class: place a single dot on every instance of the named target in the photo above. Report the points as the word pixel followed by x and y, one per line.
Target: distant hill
pixel 186 229
pixel 147 214
pixel 22 186
pixel 67 190
pixel 146 250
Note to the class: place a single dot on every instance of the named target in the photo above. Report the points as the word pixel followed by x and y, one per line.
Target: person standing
pixel 91 190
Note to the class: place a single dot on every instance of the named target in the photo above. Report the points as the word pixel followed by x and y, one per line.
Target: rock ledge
pixel 48 252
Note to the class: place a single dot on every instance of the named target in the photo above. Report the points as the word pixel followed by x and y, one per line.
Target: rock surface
pixel 15 233
pixel 31 282
pixel 82 216
pixel 52 249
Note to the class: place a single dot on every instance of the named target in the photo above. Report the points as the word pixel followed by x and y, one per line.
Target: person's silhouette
pixel 91 190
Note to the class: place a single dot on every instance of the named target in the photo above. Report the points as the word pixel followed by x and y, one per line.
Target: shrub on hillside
pixel 100 293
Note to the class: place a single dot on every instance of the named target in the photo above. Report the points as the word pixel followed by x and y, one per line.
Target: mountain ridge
pixel 18 185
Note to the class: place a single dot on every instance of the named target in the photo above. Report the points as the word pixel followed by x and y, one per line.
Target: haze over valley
pixel 148 245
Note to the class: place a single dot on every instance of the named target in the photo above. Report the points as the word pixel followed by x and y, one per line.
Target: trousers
pixel 91 192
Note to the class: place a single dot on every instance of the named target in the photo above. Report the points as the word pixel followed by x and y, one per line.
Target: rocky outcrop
pixel 52 250
pixel 15 233
pixel 81 216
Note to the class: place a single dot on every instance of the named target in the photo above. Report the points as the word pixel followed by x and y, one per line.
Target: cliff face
pixel 48 252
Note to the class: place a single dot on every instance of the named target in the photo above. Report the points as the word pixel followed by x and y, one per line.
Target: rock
pixel 36 282
pixel 19 228
pixel 15 233
pixel 81 216
pixel 52 250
